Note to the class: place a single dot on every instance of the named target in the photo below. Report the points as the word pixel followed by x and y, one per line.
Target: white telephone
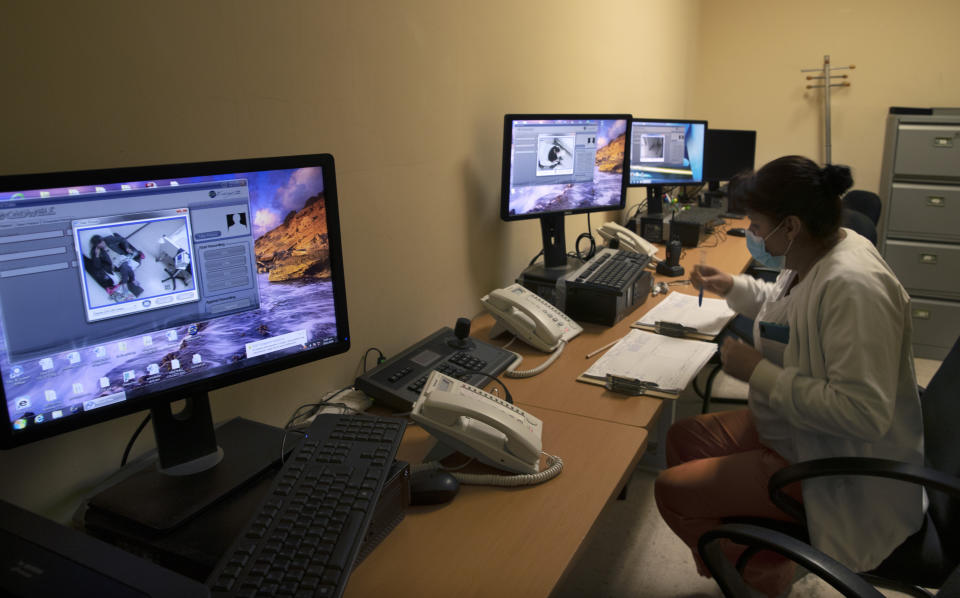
pixel 533 320
pixel 478 424
pixel 628 239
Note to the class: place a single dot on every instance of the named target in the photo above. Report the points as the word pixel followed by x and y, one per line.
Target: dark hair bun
pixel 836 179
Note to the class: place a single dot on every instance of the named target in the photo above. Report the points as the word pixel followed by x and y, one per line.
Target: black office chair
pixel 930 557
pixel 865 202
pixel 860 223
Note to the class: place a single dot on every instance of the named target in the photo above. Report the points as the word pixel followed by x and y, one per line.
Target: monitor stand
pixel 157 500
pixel 542 278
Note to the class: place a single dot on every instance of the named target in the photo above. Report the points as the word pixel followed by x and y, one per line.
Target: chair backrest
pixel 865 202
pixel 941 418
pixel 860 223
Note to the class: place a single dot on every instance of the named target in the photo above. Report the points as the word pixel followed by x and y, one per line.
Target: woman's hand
pixel 711 279
pixel 739 359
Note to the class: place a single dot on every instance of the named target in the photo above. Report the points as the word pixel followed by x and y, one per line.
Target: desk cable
pixel 514 373
pixel 554 468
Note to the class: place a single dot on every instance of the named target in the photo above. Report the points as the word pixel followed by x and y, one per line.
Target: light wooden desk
pixel 520 541
pixel 504 541
pixel 557 389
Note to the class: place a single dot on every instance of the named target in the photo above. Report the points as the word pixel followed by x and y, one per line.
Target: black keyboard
pixel 612 269
pixel 305 535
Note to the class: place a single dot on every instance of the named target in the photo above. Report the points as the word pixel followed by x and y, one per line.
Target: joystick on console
pixel 461 331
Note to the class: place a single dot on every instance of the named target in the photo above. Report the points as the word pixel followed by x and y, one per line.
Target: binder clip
pixel 628 386
pixel 673 329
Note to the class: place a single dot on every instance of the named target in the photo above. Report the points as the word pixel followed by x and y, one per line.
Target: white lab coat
pixel 847 388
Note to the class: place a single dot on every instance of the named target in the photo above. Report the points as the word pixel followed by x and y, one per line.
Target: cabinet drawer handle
pixel 943 142
pixel 921 314
pixel 928 258
pixel 936 202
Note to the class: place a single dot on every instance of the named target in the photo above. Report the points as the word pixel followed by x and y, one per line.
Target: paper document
pixel 669 362
pixel 681 308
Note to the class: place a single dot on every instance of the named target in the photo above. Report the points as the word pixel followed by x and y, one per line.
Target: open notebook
pixel 670 363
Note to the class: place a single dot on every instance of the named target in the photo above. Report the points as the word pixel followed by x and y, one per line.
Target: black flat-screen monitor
pixel 665 152
pixel 129 288
pixel 728 153
pixel 560 164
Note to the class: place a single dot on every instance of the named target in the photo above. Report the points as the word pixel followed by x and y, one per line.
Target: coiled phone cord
pixel 554 468
pixel 528 373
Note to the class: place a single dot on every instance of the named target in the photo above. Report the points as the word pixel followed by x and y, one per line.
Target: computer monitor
pixel 554 165
pixel 665 152
pixel 130 288
pixel 728 152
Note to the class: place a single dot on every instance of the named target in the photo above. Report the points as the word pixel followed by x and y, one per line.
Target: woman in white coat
pixel 830 374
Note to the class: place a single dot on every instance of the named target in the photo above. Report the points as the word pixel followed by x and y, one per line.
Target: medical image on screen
pixel 215 280
pixel 666 152
pixel 560 166
pixel 555 154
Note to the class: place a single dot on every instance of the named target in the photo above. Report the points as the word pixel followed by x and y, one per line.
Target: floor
pixel 631 552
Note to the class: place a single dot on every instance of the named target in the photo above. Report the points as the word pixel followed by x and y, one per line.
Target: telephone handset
pixel 530 317
pixel 480 425
pixel 628 239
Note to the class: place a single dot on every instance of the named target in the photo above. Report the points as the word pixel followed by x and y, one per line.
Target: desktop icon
pixel 100 189
pixel 192 329
pixel 50 395
pixel 56 414
pixel 174 184
pixel 122 346
pixel 16 371
pixel 46 364
pixel 128 375
pixel 171 335
pixel 147 341
pixel 153 369
pixel 20 424
pixel 73 191
pixel 197 359
pixel 100 352
pixel 104 382
pixel 73 357
pixel 125 187
pixel 39 419
pixel 150 184
pixel 23 402
pixel 77 388
pixel 44 194
pixel 174 364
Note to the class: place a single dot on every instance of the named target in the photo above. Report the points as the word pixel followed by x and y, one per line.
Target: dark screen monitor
pixel 554 165
pixel 728 153
pixel 665 152
pixel 127 289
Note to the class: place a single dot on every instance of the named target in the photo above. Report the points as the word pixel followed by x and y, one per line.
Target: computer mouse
pixel 737 232
pixel 432 487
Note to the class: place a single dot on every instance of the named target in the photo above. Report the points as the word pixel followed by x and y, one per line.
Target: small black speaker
pixel 651 228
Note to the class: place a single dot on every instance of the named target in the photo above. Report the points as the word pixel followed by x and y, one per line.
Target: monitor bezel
pixel 508 120
pixel 9 438
pixel 685 121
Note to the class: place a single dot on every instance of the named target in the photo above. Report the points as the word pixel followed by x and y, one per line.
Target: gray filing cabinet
pixel 920 233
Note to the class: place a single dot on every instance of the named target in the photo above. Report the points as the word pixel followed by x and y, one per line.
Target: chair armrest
pixel 731 583
pixel 868 466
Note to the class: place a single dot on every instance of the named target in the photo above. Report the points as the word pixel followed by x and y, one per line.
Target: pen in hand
pixel 703 262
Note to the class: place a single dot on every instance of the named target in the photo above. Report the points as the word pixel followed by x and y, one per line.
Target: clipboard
pixel 679 311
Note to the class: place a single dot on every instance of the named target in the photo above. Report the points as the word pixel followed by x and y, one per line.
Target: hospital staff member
pixel 831 374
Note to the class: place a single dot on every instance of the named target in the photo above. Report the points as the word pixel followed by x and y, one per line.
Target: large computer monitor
pixel 728 153
pixel 554 165
pixel 127 289
pixel 665 152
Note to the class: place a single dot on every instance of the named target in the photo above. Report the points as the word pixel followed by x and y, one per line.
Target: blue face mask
pixel 758 249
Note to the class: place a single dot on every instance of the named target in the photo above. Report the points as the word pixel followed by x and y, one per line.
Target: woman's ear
pixel 793 226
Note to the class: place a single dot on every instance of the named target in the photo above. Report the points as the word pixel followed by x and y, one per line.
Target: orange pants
pixel 717 468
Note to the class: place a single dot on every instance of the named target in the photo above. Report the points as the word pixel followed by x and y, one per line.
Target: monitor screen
pixel 728 152
pixel 120 288
pixel 563 164
pixel 666 152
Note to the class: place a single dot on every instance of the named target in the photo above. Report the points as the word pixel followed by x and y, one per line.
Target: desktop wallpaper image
pixel 604 190
pixel 296 293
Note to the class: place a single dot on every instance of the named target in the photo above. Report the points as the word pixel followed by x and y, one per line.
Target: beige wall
pixel 408 96
pixel 751 52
